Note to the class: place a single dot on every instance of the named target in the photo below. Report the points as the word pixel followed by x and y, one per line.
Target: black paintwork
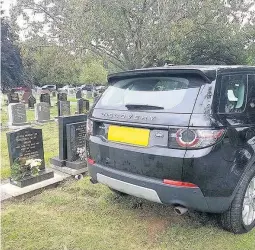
pixel 216 170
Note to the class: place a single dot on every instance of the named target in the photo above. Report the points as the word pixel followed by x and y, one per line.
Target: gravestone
pixel 26 144
pixel 25 97
pixel 53 93
pixel 76 136
pixel 60 160
pixel 13 97
pixel 31 101
pixel 82 106
pixel 42 112
pixel 89 95
pixel 17 114
pixel 62 96
pixel 45 98
pixel 78 94
pixel 64 108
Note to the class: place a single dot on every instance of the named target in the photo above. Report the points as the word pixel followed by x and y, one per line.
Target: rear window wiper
pixel 142 107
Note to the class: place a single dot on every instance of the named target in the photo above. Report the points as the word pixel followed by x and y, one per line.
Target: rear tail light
pixel 89 127
pixel 194 138
pixel 179 183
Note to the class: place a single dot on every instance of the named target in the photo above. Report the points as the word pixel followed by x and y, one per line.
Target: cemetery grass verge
pixel 79 215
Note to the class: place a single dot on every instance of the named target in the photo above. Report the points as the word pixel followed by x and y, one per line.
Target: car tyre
pixel 117 192
pixel 233 219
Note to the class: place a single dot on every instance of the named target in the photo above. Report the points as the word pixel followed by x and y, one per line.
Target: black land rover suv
pixel 180 135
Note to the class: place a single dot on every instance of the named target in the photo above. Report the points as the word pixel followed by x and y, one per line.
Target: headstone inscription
pixel 25 146
pixel 62 122
pixel 13 97
pixel 17 114
pixel 42 112
pixel 31 101
pixel 76 135
pixel 45 98
pixel 82 106
pixel 64 108
pixel 78 94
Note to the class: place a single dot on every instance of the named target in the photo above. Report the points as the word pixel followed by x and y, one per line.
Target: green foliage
pixel 11 63
pixel 93 72
pixel 140 33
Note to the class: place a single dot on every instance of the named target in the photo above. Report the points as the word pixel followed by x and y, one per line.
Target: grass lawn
pixel 79 215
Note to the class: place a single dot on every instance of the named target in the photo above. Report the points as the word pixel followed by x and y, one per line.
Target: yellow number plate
pixel 134 136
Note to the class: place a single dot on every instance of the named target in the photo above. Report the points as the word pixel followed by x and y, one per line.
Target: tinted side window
pixel 233 94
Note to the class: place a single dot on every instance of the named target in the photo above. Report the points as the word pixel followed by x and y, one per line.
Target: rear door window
pixel 163 94
pixel 233 94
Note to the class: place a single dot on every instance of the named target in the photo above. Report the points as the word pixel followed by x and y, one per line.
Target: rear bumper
pixel 156 191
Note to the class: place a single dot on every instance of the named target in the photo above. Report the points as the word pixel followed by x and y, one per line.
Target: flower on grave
pixel 82 153
pixel 34 166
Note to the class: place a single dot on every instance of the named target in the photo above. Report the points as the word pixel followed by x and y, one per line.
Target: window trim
pixel 247 91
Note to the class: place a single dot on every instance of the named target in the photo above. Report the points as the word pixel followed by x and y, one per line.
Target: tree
pixel 93 72
pixel 136 33
pixel 11 63
pixel 50 64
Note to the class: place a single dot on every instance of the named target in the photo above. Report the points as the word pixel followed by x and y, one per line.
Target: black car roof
pixel 209 72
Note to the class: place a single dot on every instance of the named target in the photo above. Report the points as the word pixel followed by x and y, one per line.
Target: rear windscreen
pixel 162 94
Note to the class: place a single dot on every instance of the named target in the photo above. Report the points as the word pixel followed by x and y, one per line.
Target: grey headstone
pixel 45 98
pixel 17 114
pixel 42 112
pixel 62 96
pixel 54 93
pixel 26 143
pixel 78 94
pixel 76 135
pixel 13 97
pixel 31 101
pixel 89 95
pixel 82 106
pixel 64 108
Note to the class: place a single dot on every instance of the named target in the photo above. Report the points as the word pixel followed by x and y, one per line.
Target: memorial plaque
pixel 42 112
pixel 13 97
pixel 45 98
pixel 64 108
pixel 76 135
pixel 27 144
pixel 62 122
pixel 31 101
pixel 17 114
pixel 62 96
pixel 78 94
pixel 82 106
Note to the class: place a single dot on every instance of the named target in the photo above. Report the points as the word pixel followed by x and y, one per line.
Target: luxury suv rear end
pixel 181 135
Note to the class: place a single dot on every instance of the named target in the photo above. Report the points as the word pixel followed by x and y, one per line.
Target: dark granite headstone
pixel 78 94
pixel 45 98
pixel 13 97
pixel 42 112
pixel 17 114
pixel 64 108
pixel 27 144
pixel 62 96
pixel 82 106
pixel 31 101
pixel 62 122
pixel 76 135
